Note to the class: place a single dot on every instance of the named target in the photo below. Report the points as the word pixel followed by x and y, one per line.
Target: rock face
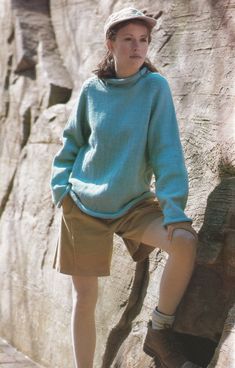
pixel 47 51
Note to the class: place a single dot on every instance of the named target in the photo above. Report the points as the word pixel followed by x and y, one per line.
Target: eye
pixel 127 38
pixel 144 40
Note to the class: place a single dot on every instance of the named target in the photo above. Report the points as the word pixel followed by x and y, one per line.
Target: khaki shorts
pixel 85 242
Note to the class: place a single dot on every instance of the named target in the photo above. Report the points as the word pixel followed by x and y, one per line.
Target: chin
pixel 137 63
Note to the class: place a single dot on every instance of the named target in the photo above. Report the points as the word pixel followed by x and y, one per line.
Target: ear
pixel 109 45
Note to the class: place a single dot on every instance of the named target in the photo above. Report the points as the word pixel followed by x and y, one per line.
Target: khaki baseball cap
pixel 127 14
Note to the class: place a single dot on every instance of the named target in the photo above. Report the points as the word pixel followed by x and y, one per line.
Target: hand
pixel 180 225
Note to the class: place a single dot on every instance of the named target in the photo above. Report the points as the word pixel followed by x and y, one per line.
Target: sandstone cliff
pixel 47 50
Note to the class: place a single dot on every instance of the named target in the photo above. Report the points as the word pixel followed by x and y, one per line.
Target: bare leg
pixel 85 293
pixel 179 266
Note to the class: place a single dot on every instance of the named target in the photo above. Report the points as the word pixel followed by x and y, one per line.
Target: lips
pixel 135 57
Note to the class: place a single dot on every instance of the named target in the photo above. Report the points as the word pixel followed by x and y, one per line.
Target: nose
pixel 135 44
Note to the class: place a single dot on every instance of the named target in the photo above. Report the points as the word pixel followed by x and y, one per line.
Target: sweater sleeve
pixel 73 139
pixel 166 156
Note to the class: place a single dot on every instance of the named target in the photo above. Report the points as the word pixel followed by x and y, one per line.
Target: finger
pixel 169 233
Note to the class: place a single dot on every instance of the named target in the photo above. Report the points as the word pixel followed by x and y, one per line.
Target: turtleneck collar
pixel 128 80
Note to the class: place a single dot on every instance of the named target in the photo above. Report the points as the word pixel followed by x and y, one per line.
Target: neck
pixel 124 73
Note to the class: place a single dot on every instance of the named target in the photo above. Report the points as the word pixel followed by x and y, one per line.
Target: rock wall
pixel 47 51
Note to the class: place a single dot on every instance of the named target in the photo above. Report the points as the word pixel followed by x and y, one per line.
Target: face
pixel 129 48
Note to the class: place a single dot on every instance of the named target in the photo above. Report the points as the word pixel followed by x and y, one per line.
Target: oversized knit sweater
pixel 120 133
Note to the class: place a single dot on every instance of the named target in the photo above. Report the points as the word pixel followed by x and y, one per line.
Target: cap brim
pixel 150 21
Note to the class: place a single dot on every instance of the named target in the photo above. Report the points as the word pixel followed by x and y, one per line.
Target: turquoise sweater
pixel 121 132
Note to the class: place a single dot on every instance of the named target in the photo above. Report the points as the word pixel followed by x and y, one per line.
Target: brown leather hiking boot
pixel 162 345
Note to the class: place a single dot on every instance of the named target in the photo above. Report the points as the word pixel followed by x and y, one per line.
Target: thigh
pixel 132 226
pixel 156 235
pixel 134 223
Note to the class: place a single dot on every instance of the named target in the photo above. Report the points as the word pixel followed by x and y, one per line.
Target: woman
pixel 122 130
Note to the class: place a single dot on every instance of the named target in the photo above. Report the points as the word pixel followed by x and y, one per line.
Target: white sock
pixel 161 320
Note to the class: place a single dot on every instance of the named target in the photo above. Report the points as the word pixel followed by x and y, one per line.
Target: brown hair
pixel 106 68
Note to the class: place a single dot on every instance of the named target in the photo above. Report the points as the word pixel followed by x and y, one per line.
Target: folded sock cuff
pixel 160 320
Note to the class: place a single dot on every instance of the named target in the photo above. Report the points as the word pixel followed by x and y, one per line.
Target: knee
pixel 85 294
pixel 185 240
pixel 84 300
